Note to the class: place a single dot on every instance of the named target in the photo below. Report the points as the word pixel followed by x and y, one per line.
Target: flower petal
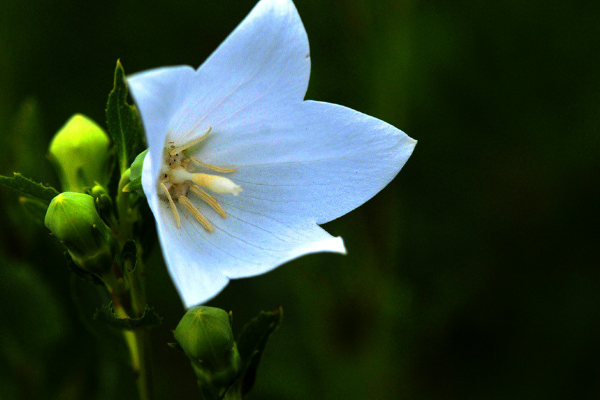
pixel 243 244
pixel 304 165
pixel 157 94
pixel 299 163
pixel 264 62
pixel 315 161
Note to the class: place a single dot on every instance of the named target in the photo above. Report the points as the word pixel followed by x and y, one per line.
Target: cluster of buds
pixel 80 152
pixel 80 218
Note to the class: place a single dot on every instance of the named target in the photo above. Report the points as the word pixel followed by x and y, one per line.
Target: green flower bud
pixel 135 176
pixel 204 334
pixel 80 151
pixel 103 201
pixel 73 219
pixel 97 191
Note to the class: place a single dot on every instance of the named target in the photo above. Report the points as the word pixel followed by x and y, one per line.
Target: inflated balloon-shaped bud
pixel 73 219
pixel 80 151
pixel 204 334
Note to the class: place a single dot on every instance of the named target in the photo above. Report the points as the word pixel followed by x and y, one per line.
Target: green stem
pixel 138 339
pixel 143 376
pixel 124 215
pixel 143 372
pixel 138 343
pixel 130 339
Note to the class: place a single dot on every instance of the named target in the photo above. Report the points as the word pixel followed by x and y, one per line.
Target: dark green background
pixel 474 275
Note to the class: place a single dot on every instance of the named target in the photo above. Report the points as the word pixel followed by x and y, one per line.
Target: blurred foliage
pixel 473 275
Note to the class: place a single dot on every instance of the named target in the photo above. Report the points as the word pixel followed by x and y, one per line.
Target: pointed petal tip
pixel 408 145
pixel 336 245
pixel 332 244
pixel 342 250
pixel 412 143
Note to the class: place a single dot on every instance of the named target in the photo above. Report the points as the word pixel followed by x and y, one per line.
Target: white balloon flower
pixel 241 170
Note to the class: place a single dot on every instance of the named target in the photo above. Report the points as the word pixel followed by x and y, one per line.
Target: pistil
pixel 178 180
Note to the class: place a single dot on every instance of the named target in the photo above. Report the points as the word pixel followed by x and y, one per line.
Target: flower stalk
pixel 132 303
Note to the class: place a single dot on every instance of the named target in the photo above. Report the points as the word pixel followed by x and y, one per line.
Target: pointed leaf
pixel 124 123
pixel 251 345
pixel 148 320
pixel 34 208
pixel 30 188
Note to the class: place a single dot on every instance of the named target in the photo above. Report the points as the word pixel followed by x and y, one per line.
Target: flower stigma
pixel 178 179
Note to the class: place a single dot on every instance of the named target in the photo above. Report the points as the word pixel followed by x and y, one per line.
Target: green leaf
pixel 124 123
pixel 34 209
pixel 30 188
pixel 148 320
pixel 251 345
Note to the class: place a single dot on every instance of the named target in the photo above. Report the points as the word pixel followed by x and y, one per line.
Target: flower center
pixel 178 179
